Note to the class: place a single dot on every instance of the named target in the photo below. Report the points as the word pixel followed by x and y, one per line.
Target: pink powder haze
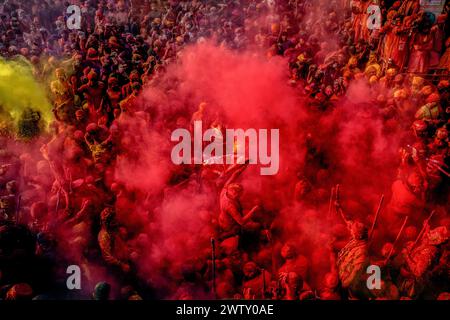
pixel 249 92
pixel 167 216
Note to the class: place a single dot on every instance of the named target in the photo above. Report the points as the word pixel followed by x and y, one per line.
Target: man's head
pixel 91 53
pixel 136 87
pixel 11 186
pixel 417 83
pixel 250 270
pixel 398 79
pixel 107 216
pixel 101 291
pixel 113 82
pixel 134 76
pixel 358 230
pixel 400 95
pixel 433 98
pixel 391 73
pixel 288 251
pixel 202 106
pixel 80 115
pixel 411 233
pixel 443 86
pixel 92 76
pixel 442 134
pixel 234 191
pixel 420 128
pixel 386 249
pixel 415 182
pixel 426 91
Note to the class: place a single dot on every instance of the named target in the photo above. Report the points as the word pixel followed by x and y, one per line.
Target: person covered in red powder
pixel 422 46
pixel 294 288
pixel 129 104
pixel 93 92
pixel 232 220
pixel 256 282
pixel 352 260
pixel 423 261
pixel 293 262
pixel 113 251
pixel 360 12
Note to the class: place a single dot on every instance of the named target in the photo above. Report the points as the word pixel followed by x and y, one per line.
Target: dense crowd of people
pixel 61 192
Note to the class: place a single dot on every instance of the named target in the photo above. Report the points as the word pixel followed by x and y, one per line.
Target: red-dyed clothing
pixel 420 58
pixel 403 200
pixel 360 20
pixel 93 96
pixel 113 251
pixel 400 46
pixel 230 212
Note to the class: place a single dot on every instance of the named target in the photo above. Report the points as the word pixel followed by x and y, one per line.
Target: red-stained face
pixel 386 249
pixel 234 192
pixel 250 270
pixel 358 230
pixel 415 183
pixel 287 252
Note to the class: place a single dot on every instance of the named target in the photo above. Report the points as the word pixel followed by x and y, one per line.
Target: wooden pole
pixel 375 219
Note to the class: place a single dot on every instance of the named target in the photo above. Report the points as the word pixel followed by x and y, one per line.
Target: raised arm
pixel 234 213
pixel 235 170
pixel 338 207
